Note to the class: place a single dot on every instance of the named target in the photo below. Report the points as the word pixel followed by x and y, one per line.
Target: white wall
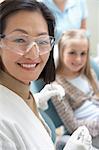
pixel 93 23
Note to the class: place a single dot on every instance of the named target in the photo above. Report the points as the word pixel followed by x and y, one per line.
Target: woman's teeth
pixel 28 65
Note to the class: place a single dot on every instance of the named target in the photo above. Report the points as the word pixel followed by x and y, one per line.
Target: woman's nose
pixel 32 51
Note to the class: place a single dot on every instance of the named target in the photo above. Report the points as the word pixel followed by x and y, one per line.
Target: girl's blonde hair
pixel 68 37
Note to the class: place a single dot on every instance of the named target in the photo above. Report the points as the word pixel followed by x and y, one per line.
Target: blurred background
pixel 93 25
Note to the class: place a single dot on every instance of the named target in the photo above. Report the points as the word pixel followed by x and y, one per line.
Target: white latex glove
pixel 46 93
pixel 79 140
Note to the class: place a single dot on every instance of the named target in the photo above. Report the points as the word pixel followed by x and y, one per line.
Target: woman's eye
pixel 20 40
pixel 43 42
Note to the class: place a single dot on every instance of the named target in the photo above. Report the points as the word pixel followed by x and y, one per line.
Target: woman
pixel 26 41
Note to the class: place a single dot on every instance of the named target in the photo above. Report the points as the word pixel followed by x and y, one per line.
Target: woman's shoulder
pixel 6 93
pixel 4 89
pixel 78 2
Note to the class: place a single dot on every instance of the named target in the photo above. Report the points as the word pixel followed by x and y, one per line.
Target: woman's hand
pixel 79 140
pixel 46 93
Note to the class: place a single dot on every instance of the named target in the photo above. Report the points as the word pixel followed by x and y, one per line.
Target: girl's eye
pixel 83 54
pixel 72 53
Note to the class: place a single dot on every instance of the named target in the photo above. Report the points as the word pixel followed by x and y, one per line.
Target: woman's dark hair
pixel 8 7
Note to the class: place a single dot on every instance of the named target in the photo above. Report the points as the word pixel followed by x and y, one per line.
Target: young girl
pixel 80 105
pixel 26 53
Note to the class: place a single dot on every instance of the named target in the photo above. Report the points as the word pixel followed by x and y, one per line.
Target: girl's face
pixel 25 67
pixel 74 56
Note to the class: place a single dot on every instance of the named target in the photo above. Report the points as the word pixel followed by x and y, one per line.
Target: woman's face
pixel 74 56
pixel 25 67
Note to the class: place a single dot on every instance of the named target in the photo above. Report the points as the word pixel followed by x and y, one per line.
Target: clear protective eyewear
pixel 22 43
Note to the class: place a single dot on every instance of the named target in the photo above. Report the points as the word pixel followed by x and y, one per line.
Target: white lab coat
pixel 20 129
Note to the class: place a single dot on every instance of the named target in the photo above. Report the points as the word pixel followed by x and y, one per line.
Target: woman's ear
pixel 0 45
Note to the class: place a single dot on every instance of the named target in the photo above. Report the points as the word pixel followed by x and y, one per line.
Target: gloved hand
pixel 46 93
pixel 79 140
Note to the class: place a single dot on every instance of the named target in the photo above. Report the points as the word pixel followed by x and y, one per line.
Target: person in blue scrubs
pixel 69 14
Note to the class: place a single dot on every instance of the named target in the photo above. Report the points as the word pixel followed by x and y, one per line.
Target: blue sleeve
pixel 83 5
